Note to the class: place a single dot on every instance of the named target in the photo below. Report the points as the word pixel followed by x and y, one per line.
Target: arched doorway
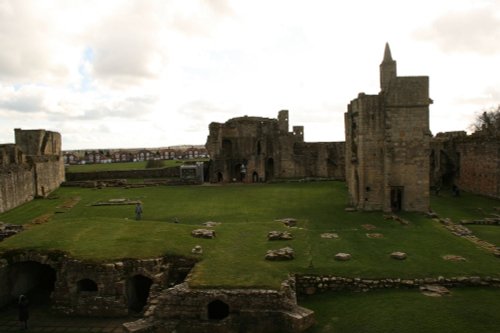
pixel 220 177
pixel 217 310
pixel 33 279
pixel 255 177
pixel 138 292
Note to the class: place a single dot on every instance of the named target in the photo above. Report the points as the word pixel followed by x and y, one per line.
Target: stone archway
pixel 217 310
pixel 33 279
pixel 138 292
pixel 86 285
pixel 255 177
pixel 220 177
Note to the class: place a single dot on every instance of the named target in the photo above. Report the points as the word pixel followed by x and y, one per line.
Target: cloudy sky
pixel 110 74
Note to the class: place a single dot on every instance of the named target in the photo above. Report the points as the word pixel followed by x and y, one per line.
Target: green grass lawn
pixel 235 258
pixel 467 310
pixel 140 165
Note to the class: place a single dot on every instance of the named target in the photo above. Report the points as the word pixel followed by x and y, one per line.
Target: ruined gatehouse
pixel 256 149
pixel 387 143
pixel 31 167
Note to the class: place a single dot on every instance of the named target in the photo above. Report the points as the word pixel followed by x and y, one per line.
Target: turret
pixel 388 69
pixel 283 121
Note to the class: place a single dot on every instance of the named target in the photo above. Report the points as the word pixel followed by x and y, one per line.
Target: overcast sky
pixel 110 74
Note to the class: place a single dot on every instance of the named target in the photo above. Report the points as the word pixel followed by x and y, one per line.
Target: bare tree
pixel 487 122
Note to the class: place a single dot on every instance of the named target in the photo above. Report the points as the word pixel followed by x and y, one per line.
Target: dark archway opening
pixel 220 177
pixel 33 279
pixel 396 198
pixel 138 292
pixel 86 285
pixel 269 169
pixel 255 177
pixel 218 310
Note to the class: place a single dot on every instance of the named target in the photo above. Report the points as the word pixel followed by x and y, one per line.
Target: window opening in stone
pixel 138 292
pixel 33 279
pixel 218 310
pixel 86 285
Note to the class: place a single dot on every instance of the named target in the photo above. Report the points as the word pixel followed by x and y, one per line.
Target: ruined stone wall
pixel 125 174
pixel 269 151
pixel 248 310
pixel 469 161
pixel 479 162
pixel 313 284
pixel 31 167
pixel 113 293
pixel 364 159
pixel 319 159
pixel 16 186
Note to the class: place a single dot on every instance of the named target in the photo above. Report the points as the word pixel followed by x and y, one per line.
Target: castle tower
pixel 388 69
pixel 387 143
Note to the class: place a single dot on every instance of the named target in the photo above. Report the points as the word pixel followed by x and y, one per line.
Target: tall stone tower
pixel 387 143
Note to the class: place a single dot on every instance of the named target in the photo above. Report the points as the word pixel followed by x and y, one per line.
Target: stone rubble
pixel 7 230
pixel 279 235
pixel 285 253
pixel 203 233
pixel 329 235
pixel 342 256
pixel 288 221
pixel 398 255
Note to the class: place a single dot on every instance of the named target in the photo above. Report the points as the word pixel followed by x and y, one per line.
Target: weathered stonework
pixel 387 144
pixel 182 309
pixel 469 161
pixel 89 289
pixel 256 149
pixel 32 167
pixel 313 284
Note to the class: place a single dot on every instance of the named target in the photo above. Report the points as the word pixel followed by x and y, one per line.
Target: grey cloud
pixel 26 41
pixel 476 31
pixel 23 101
pixel 130 108
pixel 202 24
pixel 126 44
pixel 201 113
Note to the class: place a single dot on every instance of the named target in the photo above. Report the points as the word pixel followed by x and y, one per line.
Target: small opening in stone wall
pixel 218 310
pixel 138 292
pixel 86 285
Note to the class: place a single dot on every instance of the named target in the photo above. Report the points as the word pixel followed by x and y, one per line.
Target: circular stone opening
pixel 218 310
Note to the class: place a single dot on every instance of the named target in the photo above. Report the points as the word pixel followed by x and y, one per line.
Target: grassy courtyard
pixel 69 222
pixel 247 213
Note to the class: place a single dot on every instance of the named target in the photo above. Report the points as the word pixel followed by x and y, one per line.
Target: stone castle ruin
pixel 387 143
pixel 32 167
pixel 255 149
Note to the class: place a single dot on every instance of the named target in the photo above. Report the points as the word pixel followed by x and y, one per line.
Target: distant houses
pixel 133 155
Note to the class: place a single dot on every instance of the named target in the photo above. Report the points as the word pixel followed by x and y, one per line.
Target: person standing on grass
pixel 23 311
pixel 138 211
